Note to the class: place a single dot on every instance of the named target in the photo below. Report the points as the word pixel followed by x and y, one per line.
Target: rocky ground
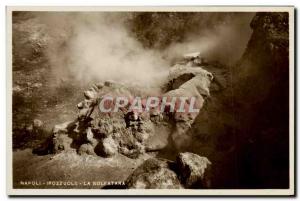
pixel 85 141
pixel 71 167
pixel 240 147
pixel 129 133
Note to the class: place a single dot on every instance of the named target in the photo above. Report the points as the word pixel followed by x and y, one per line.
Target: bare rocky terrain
pixel 240 133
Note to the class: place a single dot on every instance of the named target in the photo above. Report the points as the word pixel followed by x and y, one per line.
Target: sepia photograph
pixel 150 101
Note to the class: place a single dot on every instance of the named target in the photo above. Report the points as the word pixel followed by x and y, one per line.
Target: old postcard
pixel 150 101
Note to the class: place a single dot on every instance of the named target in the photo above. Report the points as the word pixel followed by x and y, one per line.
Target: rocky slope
pixel 261 93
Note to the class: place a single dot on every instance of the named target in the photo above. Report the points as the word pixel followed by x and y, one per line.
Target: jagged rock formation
pixel 154 174
pixel 187 82
pixel 128 132
pixel 188 171
pixel 193 170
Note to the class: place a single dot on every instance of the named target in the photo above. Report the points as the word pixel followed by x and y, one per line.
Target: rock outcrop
pixel 187 82
pixel 129 132
pixel 188 171
pixel 261 89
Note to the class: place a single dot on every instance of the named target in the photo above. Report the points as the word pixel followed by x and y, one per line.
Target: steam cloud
pixel 224 43
pixel 92 47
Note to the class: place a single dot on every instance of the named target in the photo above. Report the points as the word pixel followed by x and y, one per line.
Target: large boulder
pixel 188 171
pixel 193 170
pixel 153 174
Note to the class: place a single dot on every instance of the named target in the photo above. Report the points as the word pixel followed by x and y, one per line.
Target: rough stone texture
pixel 204 77
pixel 187 82
pixel 62 142
pixel 189 171
pixel 248 142
pixel 107 147
pixel 132 133
pixel 86 149
pixel 61 139
pixel 262 79
pixel 29 48
pixel 153 174
pixel 193 170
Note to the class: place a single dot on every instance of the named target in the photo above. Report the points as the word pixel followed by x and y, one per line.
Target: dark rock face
pixel 261 90
pixel 243 127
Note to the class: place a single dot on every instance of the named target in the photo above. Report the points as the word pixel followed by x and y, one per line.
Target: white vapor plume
pixel 94 47
pixel 224 43
pixel 91 47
